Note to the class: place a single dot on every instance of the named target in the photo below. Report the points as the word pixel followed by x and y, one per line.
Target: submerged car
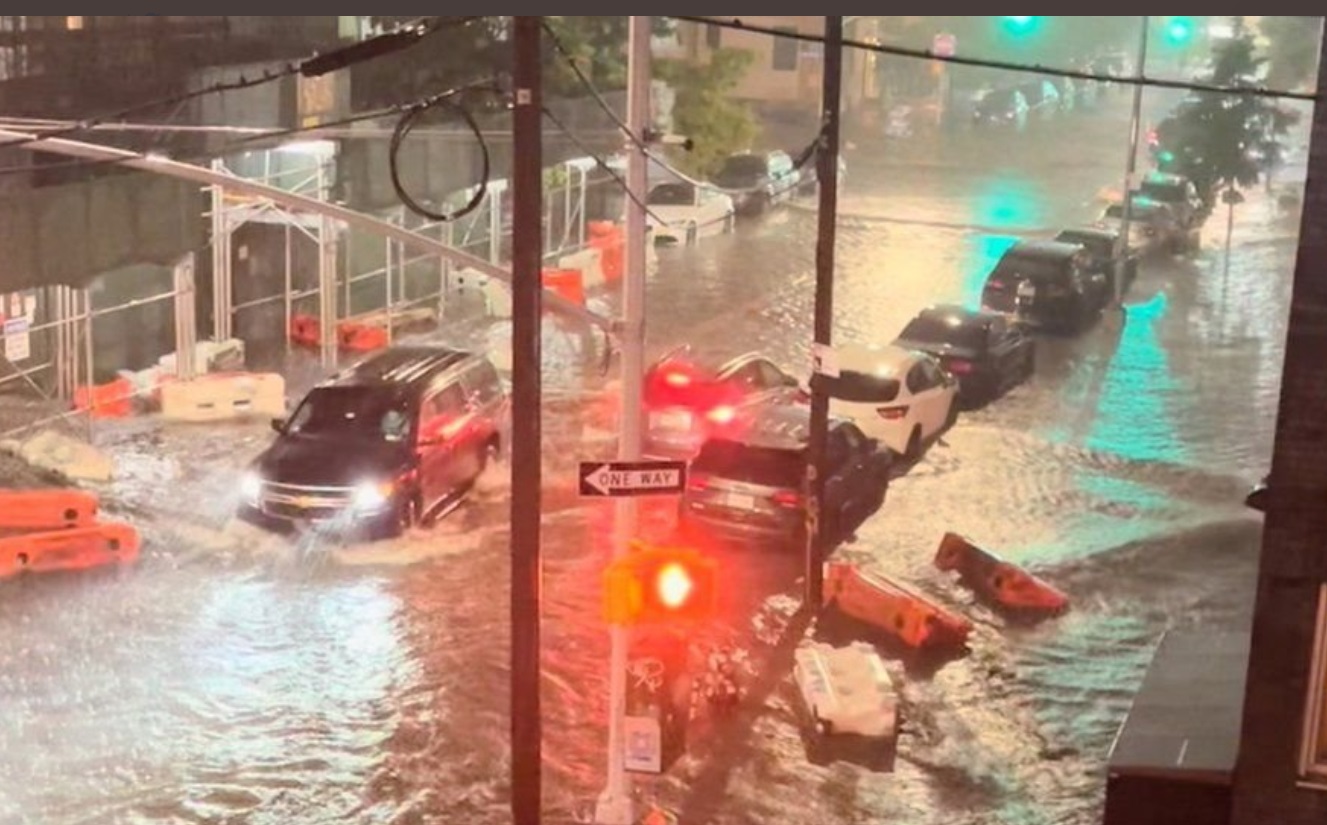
pixel 1106 256
pixel 988 355
pixel 683 213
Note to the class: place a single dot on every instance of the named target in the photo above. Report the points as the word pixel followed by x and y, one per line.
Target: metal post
pixel 289 302
pixel 327 303
pixel 186 332
pixel 581 220
pixel 828 175
pixel 89 355
pixel 1130 166
pixel 526 425
pixel 616 804
pixel 388 280
pixel 495 230
pixel 222 288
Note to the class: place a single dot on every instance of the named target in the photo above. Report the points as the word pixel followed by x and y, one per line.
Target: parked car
pixel 1043 99
pixel 1001 107
pixel 686 213
pixel 752 486
pixel 1047 285
pixel 987 354
pixel 689 398
pixel 1179 193
pixel 1104 253
pixel 1153 226
pixel 902 398
pixel 383 444
pixel 757 181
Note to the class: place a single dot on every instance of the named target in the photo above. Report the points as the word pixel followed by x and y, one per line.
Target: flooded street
pixel 256 681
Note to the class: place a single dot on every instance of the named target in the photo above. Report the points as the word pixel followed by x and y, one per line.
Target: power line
pixel 736 24
pixel 804 158
pixel 314 66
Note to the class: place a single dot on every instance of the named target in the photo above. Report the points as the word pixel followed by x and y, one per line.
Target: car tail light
pixel 960 367
pixel 677 380
pixel 893 413
pixel 698 484
pixel 996 285
pixel 722 415
pixel 787 498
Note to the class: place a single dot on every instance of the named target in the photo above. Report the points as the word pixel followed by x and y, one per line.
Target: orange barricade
pixel 908 616
pixel 113 400
pixel 47 509
pixel 81 548
pixel 569 283
pixel 360 337
pixel 609 239
pixel 306 330
pixel 998 581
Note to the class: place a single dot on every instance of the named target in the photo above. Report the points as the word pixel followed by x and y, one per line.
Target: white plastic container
pixel 849 706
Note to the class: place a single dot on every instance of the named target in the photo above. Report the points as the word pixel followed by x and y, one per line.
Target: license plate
pixel 737 501
pixel 671 420
pixel 1027 289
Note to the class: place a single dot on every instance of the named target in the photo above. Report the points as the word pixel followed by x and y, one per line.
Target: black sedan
pixel 987 354
pixel 1102 245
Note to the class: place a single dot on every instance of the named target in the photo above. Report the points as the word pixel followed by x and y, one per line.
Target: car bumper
pixel 341 516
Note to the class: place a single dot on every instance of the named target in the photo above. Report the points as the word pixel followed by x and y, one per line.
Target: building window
pixel 713 37
pixel 73 23
pixel 1315 724
pixel 785 52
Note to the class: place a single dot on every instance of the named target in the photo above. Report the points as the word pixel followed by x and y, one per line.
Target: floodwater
pixel 245 679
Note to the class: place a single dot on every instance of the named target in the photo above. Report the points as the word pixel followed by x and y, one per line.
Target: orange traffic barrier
pixel 995 579
pixel 569 283
pixel 113 400
pixel 609 239
pixel 306 330
pixel 82 548
pixel 47 509
pixel 361 337
pixel 908 616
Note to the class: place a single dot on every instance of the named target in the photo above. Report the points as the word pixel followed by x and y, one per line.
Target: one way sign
pixel 618 479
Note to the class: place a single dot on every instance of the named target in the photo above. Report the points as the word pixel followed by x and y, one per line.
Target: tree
pixel 1292 49
pixel 706 112
pixel 1225 140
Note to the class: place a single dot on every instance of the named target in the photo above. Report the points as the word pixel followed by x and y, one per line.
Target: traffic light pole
pixel 526 434
pixel 616 805
pixel 1130 168
pixel 827 160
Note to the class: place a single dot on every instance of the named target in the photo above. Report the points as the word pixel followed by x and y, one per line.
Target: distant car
pixel 1153 226
pixel 1179 193
pixel 758 180
pixel 1102 245
pixel 688 212
pixel 1257 498
pixel 1001 107
pixel 1042 97
pixel 987 354
pixel 903 398
pixel 1047 285
pixel 810 182
pixel 753 485
pixel 689 398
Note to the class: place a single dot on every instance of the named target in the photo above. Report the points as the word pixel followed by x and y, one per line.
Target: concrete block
pixel 73 459
pixel 590 263
pixel 224 397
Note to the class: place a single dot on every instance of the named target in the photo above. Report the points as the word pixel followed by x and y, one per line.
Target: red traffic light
pixel 674 585
pixel 659 586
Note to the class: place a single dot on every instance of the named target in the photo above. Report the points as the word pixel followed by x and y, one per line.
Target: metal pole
pixel 387 277
pixel 289 302
pixel 526 425
pixel 1130 166
pixel 616 804
pixel 828 175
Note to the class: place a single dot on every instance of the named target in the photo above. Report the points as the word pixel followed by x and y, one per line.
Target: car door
pixel 443 418
pixel 933 396
pixel 1002 346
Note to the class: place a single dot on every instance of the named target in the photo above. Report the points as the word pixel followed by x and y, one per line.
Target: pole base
pixel 614 808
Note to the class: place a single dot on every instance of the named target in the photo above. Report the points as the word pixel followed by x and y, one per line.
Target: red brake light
pixel 722 415
pixel 996 284
pixel 699 484
pixel 893 413
pixel 787 498
pixel 677 380
pixel 960 367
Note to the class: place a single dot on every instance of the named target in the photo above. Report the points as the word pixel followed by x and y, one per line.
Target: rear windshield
pixel 1095 244
pixel 857 387
pixel 1163 191
pixel 935 331
pixel 765 466
pixel 672 194
pixel 1019 268
pixel 743 166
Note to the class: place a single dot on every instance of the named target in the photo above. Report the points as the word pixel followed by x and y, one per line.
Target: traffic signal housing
pixel 659 586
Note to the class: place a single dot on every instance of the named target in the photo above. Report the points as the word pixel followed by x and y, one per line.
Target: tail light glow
pixel 960 367
pixel 787 498
pixel 996 285
pixel 893 413
pixel 677 380
pixel 722 415
pixel 698 484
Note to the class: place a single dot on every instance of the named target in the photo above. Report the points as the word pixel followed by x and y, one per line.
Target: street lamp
pixel 1179 31
pixel 1021 25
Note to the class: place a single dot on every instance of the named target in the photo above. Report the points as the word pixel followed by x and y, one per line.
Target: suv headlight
pixel 371 496
pixel 251 487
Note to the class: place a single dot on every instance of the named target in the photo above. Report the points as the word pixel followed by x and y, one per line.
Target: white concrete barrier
pixel 848 703
pixel 210 356
pixel 590 262
pixel 68 457
pixel 224 397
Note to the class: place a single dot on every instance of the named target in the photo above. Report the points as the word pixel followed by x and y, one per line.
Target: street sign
pixel 18 340
pixel 824 361
pixel 643 745
pixel 618 479
pixel 944 45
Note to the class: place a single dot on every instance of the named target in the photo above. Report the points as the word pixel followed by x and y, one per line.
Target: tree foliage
pixel 1292 49
pixel 706 112
pixel 1225 140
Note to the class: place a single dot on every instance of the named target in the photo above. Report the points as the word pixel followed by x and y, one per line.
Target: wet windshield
pixel 1099 246
pixel 351 412
pixel 672 194
pixel 752 465
pixel 937 331
pixel 1018 268
pixel 742 167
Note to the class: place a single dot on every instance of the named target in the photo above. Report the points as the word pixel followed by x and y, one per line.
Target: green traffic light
pixel 1179 30
pixel 1021 25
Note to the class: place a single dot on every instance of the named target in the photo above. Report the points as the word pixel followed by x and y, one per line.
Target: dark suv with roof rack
pixel 382 444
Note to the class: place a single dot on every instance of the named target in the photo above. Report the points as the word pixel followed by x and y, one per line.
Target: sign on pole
pixel 620 479
pixel 944 45
pixel 18 340
pixel 644 745
pixel 825 361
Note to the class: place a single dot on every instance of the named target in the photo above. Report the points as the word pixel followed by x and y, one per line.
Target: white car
pixel 686 213
pixel 902 398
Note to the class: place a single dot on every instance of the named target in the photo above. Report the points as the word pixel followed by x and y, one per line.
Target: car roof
pixel 884 361
pixel 1138 203
pixel 403 367
pixel 1044 249
pixel 957 316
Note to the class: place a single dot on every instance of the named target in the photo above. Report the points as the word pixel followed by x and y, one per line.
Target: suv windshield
pixel 765 466
pixel 351 412
pixel 672 194
pixel 934 331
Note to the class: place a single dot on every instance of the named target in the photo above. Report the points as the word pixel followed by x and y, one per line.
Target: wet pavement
pixel 242 678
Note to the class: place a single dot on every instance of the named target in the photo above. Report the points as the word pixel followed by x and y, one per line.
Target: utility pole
pixel 1130 167
pixel 527 180
pixel 827 172
pixel 617 805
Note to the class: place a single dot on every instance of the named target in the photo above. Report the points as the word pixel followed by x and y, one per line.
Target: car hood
pixel 329 462
pixel 938 350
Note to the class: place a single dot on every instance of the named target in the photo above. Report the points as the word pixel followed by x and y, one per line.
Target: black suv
pixel 752 485
pixel 1048 285
pixel 382 444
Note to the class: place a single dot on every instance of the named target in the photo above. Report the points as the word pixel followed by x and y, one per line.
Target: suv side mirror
pixel 279 426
